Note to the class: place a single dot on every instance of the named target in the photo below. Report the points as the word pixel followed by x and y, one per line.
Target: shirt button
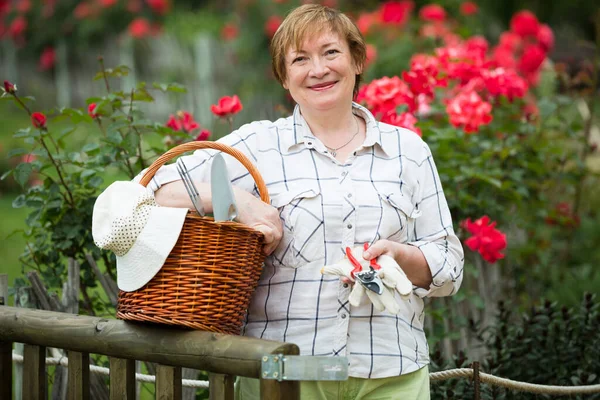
pixel 349 226
pixel 343 316
pixel 344 173
pixel 309 143
pixel 349 195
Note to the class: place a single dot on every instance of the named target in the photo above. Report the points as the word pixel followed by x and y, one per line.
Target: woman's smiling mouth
pixel 323 86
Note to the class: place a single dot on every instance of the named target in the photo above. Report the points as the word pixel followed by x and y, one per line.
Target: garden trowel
pixel 224 208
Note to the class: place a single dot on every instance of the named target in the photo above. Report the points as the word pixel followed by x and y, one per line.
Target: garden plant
pixel 510 131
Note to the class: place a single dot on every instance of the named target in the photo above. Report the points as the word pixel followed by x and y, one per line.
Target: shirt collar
pixel 303 134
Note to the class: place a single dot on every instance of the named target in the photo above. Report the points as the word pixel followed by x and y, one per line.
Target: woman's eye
pixel 298 59
pixel 332 51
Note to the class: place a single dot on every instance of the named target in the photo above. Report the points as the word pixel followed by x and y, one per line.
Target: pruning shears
pixel 369 279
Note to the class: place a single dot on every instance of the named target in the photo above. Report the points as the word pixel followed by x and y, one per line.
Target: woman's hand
pixel 261 216
pixel 251 210
pixel 409 258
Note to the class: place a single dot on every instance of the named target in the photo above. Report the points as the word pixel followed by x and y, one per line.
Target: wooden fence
pixel 223 356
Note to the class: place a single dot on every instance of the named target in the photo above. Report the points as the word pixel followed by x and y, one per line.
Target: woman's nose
pixel 319 68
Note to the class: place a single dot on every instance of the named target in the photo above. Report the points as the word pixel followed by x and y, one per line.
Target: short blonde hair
pixel 311 19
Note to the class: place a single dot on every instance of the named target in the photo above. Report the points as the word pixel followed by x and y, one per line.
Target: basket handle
pixel 185 147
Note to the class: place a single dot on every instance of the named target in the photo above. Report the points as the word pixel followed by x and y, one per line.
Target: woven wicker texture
pixel 208 278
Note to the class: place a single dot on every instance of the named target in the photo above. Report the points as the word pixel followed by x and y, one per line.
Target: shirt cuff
pixel 442 283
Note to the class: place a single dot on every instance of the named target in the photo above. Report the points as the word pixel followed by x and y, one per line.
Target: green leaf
pixel 88 172
pixel 25 132
pixel 22 173
pixel 66 132
pixel 170 87
pixel 96 181
pixel 90 147
pixel 142 95
pixel 546 107
pixel 19 201
pixel 17 152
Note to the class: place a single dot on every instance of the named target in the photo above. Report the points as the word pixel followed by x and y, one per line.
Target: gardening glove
pixel 394 277
pixel 384 301
pixel 344 268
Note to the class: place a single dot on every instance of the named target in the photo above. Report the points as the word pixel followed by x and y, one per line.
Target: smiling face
pixel 321 74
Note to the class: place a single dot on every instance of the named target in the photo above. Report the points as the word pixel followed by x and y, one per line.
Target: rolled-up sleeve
pixel 434 233
pixel 198 163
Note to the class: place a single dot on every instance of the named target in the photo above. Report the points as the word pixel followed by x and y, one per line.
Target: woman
pixel 337 178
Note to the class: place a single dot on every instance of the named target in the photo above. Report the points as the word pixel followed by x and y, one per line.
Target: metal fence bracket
pixel 304 368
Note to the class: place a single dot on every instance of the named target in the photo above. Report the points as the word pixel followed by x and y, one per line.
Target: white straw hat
pixel 127 220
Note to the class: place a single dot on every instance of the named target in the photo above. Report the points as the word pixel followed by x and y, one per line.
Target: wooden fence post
pixel 34 372
pixel 3 289
pixel 24 298
pixel 168 382
pixel 63 80
pixel 220 386
pixel 5 370
pixel 5 348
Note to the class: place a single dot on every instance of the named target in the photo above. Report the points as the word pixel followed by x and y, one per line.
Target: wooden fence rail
pixel 223 356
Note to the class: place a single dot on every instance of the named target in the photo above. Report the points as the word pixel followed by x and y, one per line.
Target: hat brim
pixel 151 248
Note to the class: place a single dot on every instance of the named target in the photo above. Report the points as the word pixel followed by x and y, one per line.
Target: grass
pixel 13 242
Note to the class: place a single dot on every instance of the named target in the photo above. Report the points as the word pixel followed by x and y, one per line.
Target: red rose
pixel 396 12
pixel 38 120
pixel 404 120
pixel 139 28
pixel 383 95
pixel 227 106
pixel 187 121
pixel 107 3
pixel 91 109
pixel 184 121
pixel 532 58
pixel 47 59
pixel 504 82
pixel 545 37
pixel 230 31
pixel 23 6
pixel 366 20
pixel 82 11
pixel 524 23
pixel 486 239
pixel 134 6
pixel 468 111
pixel 9 87
pixel 468 8
pixel 160 7
pixel 272 25
pixel 173 123
pixel 203 135
pixel 17 27
pixel 432 13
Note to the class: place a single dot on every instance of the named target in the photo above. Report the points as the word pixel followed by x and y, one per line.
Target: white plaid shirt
pixel 388 189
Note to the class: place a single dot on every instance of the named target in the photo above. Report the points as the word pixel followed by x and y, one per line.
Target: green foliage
pixel 61 183
pixel 549 345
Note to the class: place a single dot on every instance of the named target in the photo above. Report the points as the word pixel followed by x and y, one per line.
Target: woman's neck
pixel 333 127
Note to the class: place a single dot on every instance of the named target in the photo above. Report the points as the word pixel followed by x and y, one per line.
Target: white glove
pixel 392 276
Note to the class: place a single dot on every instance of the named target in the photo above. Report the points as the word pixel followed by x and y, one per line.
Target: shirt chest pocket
pixel 303 241
pixel 391 216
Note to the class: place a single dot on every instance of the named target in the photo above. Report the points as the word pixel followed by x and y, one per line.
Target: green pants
pixel 413 386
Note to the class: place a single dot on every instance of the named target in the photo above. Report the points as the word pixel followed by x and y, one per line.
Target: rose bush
pixel 509 147
pixel 79 23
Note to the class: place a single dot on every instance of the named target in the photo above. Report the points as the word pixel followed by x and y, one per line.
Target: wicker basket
pixel 208 278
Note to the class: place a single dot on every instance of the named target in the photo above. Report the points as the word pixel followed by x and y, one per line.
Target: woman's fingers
pixel 262 217
pixel 378 248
